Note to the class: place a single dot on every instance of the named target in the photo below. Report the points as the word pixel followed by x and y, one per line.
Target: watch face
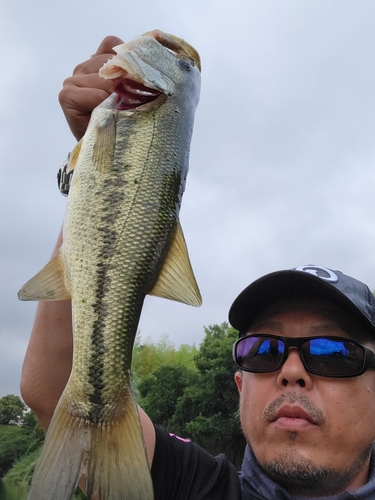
pixel 64 178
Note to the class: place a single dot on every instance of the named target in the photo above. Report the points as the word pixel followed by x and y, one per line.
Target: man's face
pixel 311 434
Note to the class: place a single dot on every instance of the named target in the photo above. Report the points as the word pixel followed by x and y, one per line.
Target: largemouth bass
pixel 122 240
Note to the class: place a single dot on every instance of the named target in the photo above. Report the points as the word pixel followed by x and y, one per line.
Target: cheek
pixel 253 401
pixel 347 408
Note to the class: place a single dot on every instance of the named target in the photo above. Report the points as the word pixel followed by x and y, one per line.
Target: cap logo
pixel 320 272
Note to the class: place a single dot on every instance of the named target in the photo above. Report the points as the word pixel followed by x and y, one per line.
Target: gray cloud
pixel 282 154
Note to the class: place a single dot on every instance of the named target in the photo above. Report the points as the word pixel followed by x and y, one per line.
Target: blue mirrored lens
pixel 328 347
pixel 332 357
pixel 260 353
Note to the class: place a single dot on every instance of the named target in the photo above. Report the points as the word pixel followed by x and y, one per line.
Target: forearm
pixel 48 359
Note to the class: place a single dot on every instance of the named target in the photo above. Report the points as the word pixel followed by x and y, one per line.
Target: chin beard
pixel 301 476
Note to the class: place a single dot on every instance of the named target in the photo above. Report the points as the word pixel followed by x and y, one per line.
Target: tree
pixel 210 409
pixel 12 410
pixel 201 402
pixel 149 356
pixel 13 444
pixel 161 391
pixel 20 431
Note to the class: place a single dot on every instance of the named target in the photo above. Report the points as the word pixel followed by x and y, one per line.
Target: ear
pixel 238 380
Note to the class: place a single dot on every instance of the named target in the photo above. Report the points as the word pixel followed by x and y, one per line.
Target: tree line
pixel 189 391
pixel 194 395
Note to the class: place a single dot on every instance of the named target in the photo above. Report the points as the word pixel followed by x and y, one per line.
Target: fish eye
pixel 184 64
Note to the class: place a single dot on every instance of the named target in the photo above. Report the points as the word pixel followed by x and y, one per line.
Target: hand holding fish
pixel 85 89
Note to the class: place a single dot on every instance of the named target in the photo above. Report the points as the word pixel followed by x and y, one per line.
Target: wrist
pixel 64 177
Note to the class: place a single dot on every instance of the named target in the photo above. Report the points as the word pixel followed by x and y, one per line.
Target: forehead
pixel 330 312
pixel 305 304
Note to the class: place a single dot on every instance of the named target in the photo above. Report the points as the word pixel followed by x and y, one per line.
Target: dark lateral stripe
pixel 115 196
pixel 169 198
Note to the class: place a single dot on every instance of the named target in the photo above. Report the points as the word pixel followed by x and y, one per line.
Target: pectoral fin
pixel 48 284
pixel 104 147
pixel 176 280
pixel 73 157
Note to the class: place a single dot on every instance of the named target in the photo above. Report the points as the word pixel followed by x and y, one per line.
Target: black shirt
pixel 181 470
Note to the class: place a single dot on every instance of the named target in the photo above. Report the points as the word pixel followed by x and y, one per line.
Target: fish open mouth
pixel 131 74
pixel 131 94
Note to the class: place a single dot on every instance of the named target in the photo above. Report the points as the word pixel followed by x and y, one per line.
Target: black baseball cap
pixel 302 281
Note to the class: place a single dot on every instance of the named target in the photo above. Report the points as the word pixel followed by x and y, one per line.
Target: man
pixel 306 384
pixel 307 406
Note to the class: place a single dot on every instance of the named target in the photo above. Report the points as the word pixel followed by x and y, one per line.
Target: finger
pixel 77 104
pixel 92 65
pixel 104 52
pixel 106 46
pixel 85 90
pixel 91 80
pixel 82 99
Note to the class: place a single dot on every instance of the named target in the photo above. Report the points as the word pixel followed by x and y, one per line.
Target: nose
pixel 293 372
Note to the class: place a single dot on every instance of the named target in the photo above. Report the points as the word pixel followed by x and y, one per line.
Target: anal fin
pixel 176 280
pixel 48 283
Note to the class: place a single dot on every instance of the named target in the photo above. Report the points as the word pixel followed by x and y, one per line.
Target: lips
pixel 293 418
pixel 288 411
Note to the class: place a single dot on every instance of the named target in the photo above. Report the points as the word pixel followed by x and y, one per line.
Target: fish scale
pixel 122 240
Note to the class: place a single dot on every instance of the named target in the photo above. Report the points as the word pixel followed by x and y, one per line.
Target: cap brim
pixel 280 285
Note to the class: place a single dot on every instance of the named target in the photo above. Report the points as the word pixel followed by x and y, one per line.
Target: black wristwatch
pixel 64 178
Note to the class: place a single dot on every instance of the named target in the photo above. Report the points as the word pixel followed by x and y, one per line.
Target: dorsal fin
pixel 104 147
pixel 73 157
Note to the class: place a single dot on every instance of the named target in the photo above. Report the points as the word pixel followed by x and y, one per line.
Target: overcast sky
pixel 282 160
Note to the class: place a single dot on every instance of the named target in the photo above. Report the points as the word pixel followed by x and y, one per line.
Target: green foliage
pixel 148 357
pixel 12 410
pixel 10 491
pixel 18 479
pixel 22 471
pixel 199 401
pixel 29 421
pixel 13 444
pixel 161 391
pixel 17 440
pixel 209 411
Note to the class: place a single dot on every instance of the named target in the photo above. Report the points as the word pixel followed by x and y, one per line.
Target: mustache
pixel 315 414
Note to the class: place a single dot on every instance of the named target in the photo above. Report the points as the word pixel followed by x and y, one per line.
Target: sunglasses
pixel 325 356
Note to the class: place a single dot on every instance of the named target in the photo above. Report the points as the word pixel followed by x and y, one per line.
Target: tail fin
pixel 112 457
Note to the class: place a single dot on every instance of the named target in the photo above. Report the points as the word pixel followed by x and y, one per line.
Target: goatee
pixel 301 476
